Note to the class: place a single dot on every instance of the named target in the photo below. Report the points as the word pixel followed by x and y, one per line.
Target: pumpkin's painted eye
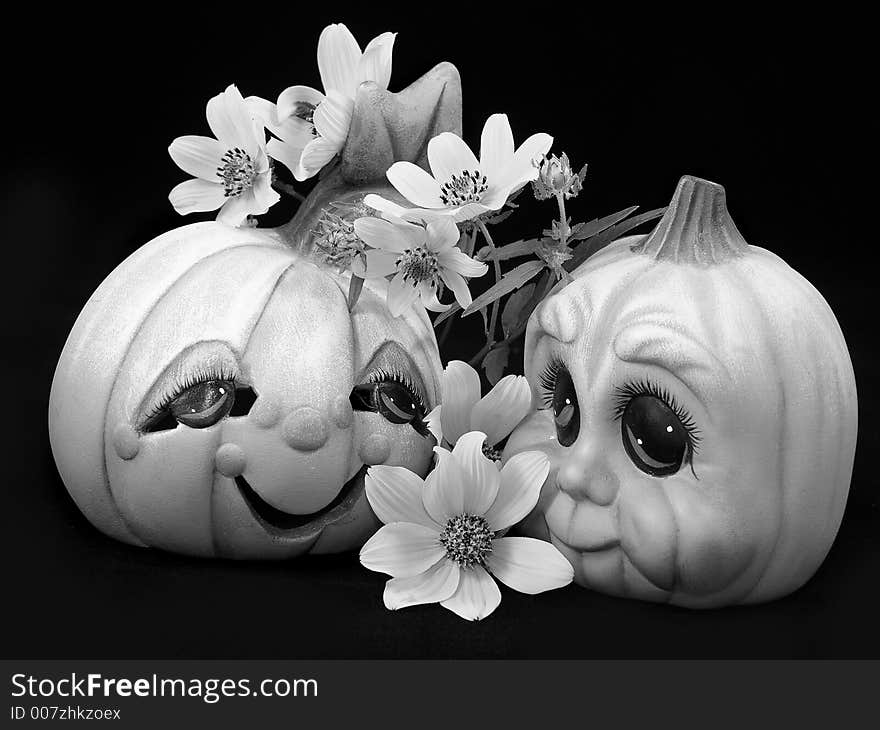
pixel 198 406
pixel 396 403
pixel 658 435
pixel 561 396
pixel 653 436
pixel 394 397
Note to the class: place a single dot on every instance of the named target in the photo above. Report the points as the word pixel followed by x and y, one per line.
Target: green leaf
pixel 587 248
pixel 510 251
pixel 597 225
pixel 499 217
pixel 513 279
pixel 511 315
pixel 495 363
pixel 354 291
pixel 446 315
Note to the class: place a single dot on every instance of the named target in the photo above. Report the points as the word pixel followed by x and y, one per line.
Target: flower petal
pixel 528 565
pixel 196 196
pixel 502 408
pixel 395 494
pixel 288 155
pixel 434 585
pixel 445 487
pixel 484 477
pixel 428 297
pixel 442 234
pixel 521 169
pixel 295 131
pixel 458 286
pixel 231 122
pixel 387 236
pixel 402 550
pixel 521 480
pixel 460 391
pixel 459 262
pixel 262 109
pixel 401 295
pixel 333 118
pixel 448 155
pixel 476 597
pixel 383 205
pixel 237 208
pixel 375 64
pixel 470 210
pixel 338 57
pixel 379 264
pixel 264 195
pixel 496 146
pixel 198 156
pixel 414 184
pixel 290 100
pixel 435 425
pixel 316 154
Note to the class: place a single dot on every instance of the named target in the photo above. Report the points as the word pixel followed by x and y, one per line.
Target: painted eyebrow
pixel 676 350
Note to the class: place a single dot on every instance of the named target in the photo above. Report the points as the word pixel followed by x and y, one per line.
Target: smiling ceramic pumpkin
pixel 698 403
pixel 217 397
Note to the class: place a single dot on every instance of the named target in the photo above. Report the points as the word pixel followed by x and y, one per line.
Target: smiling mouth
pixel 277 521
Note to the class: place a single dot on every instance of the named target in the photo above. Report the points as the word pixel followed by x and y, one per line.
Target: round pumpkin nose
pixel 305 429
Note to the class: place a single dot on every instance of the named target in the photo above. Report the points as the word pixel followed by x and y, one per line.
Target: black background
pixel 772 112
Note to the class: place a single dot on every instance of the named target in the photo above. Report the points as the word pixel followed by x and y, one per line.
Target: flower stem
pixel 564 230
pixel 287 189
pixel 489 346
pixel 447 328
pixel 493 319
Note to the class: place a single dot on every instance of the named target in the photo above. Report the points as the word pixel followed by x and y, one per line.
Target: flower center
pixel 491 453
pixel 467 539
pixel 468 187
pixel 419 265
pixel 305 111
pixel 237 172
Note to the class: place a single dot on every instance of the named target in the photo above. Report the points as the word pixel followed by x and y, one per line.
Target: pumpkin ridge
pixel 124 355
pixel 769 348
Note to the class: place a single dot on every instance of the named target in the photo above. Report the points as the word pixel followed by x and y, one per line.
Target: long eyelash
pixel 547 379
pixel 180 384
pixel 624 394
pixel 398 376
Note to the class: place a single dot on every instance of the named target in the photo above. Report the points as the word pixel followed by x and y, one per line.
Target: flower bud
pixel 336 241
pixel 555 177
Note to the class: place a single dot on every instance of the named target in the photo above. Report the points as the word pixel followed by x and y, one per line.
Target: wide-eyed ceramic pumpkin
pixel 697 400
pixel 217 397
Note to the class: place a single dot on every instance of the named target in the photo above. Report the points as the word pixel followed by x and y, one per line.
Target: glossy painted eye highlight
pixel 198 406
pixel 394 397
pixel 560 395
pixel 658 435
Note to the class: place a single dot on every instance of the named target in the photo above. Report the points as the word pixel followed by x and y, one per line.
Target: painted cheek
pixel 713 552
pixel 165 492
pixel 648 533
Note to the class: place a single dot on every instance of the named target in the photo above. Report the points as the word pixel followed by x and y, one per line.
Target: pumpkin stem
pixel 696 228
pixel 385 128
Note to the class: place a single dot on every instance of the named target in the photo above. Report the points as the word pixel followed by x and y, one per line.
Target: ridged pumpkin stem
pixel 696 228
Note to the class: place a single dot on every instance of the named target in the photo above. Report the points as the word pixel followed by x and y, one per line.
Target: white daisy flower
pixel 311 126
pixel 230 172
pixel 438 542
pixel 462 187
pixel 496 414
pixel 420 258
